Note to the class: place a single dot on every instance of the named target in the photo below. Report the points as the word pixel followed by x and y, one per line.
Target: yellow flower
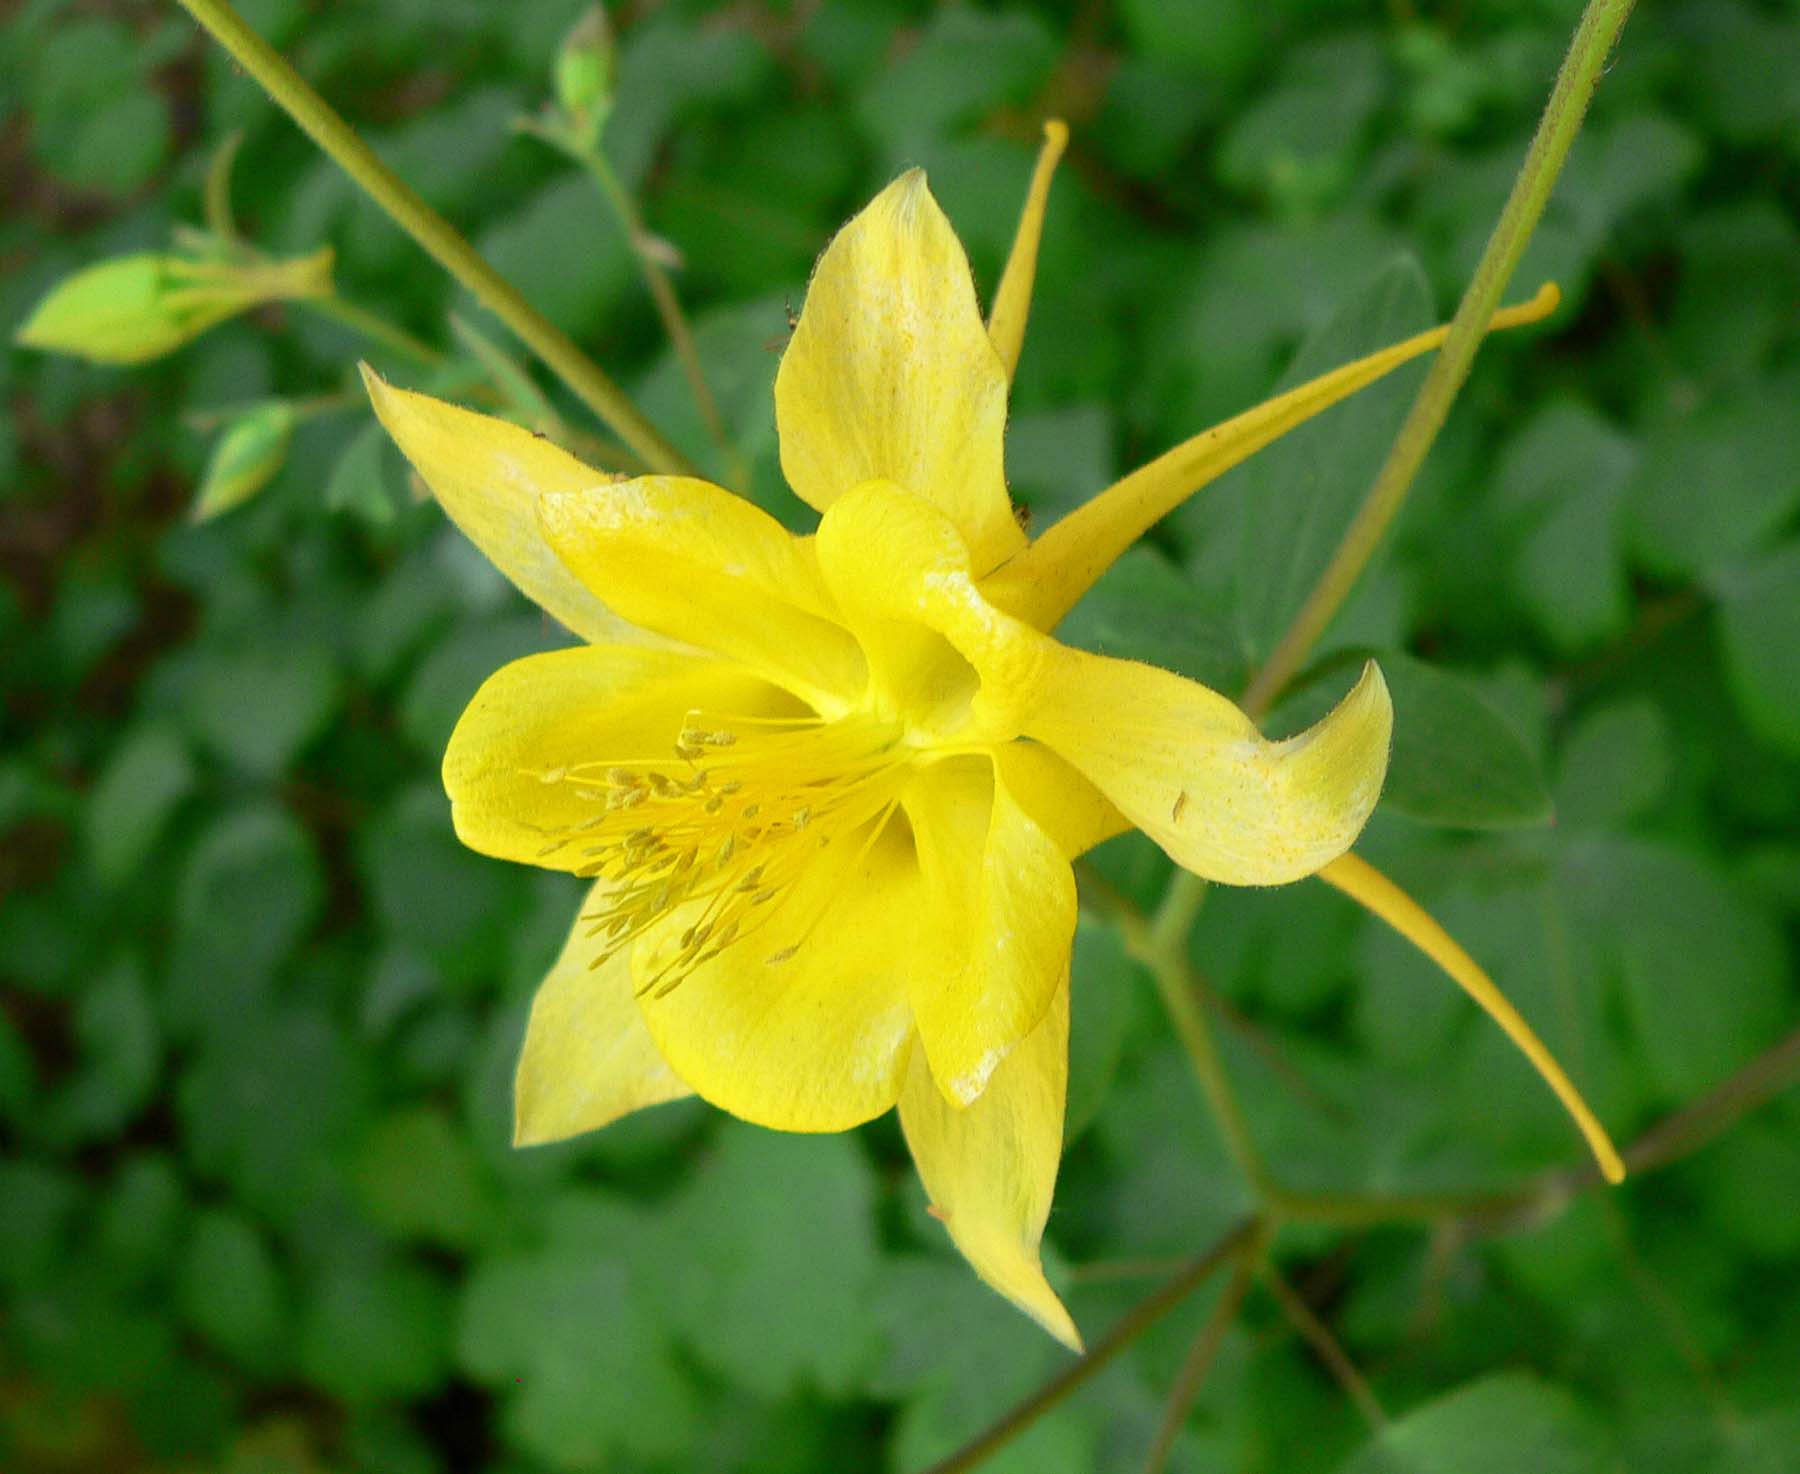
pixel 828 788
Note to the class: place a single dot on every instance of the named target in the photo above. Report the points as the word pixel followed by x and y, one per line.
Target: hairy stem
pixel 1595 37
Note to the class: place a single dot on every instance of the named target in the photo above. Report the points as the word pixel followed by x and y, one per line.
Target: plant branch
pixel 434 233
pixel 1199 1359
pixel 1594 39
pixel 1318 1335
pixel 1133 1324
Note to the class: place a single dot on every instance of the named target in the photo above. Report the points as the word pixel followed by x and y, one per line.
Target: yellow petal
pixel 939 655
pixel 511 760
pixel 588 1059
pixel 818 1039
pixel 699 565
pixel 1044 582
pixel 1369 888
pixel 1012 301
pixel 1074 813
pixel 990 1170
pixel 1191 770
pixel 891 375
pixel 1009 895
pixel 487 475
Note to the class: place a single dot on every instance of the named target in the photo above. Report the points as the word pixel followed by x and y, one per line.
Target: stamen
pixel 726 842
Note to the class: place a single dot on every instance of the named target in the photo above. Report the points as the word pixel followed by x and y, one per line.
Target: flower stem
pixel 668 305
pixel 1594 38
pixel 376 329
pixel 434 233
pixel 1160 944
pixel 1136 1321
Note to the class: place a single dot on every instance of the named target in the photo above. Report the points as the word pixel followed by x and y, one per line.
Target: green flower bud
pixel 136 308
pixel 245 458
pixel 584 73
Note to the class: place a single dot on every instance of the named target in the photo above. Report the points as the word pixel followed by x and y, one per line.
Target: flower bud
pixel 135 308
pixel 584 74
pixel 245 458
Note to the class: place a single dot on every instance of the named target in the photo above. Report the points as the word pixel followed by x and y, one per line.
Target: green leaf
pixel 1144 608
pixel 230 1291
pixel 121 1056
pixel 772 1299
pixel 361 483
pixel 245 458
pixel 249 890
pixel 577 290
pixel 137 792
pixel 1759 629
pixel 1615 765
pixel 585 1366
pixel 1300 142
pixel 965 64
pixel 373 1327
pixel 1561 483
pixel 140 1215
pixel 34 1230
pixel 258 709
pixel 416 1178
pixel 1505 1424
pixel 267 1107
pixel 1104 1003
pixel 1299 495
pixel 1703 965
pixel 1715 485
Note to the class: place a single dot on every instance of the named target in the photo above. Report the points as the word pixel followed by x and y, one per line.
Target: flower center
pixel 725 828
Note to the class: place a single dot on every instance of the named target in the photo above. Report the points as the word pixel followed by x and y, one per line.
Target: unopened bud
pixel 584 73
pixel 245 458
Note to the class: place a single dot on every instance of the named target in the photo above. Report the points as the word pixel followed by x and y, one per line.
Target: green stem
pixel 1160 944
pixel 1199 1359
pixel 1595 36
pixel 374 328
pixel 668 305
pixel 1135 1322
pixel 434 233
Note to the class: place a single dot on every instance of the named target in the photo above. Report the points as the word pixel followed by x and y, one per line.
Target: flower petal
pixel 1010 893
pixel 947 661
pixel 536 718
pixel 693 562
pixel 817 1041
pixel 1012 298
pixel 1191 770
pixel 991 1169
pixel 588 1059
pixel 891 375
pixel 1044 582
pixel 1074 813
pixel 487 475
pixel 1373 891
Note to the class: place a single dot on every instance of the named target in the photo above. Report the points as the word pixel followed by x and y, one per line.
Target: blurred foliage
pixel 258 1210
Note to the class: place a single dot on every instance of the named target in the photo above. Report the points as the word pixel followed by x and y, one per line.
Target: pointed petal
pixel 991 1169
pixel 534 720
pixel 1012 301
pixel 487 475
pixel 588 1059
pixel 817 1041
pixel 1044 582
pixel 1191 770
pixel 1010 894
pixel 1369 888
pixel 891 375
pixel 699 565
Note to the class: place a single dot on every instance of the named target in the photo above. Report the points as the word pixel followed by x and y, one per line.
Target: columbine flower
pixel 828 788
